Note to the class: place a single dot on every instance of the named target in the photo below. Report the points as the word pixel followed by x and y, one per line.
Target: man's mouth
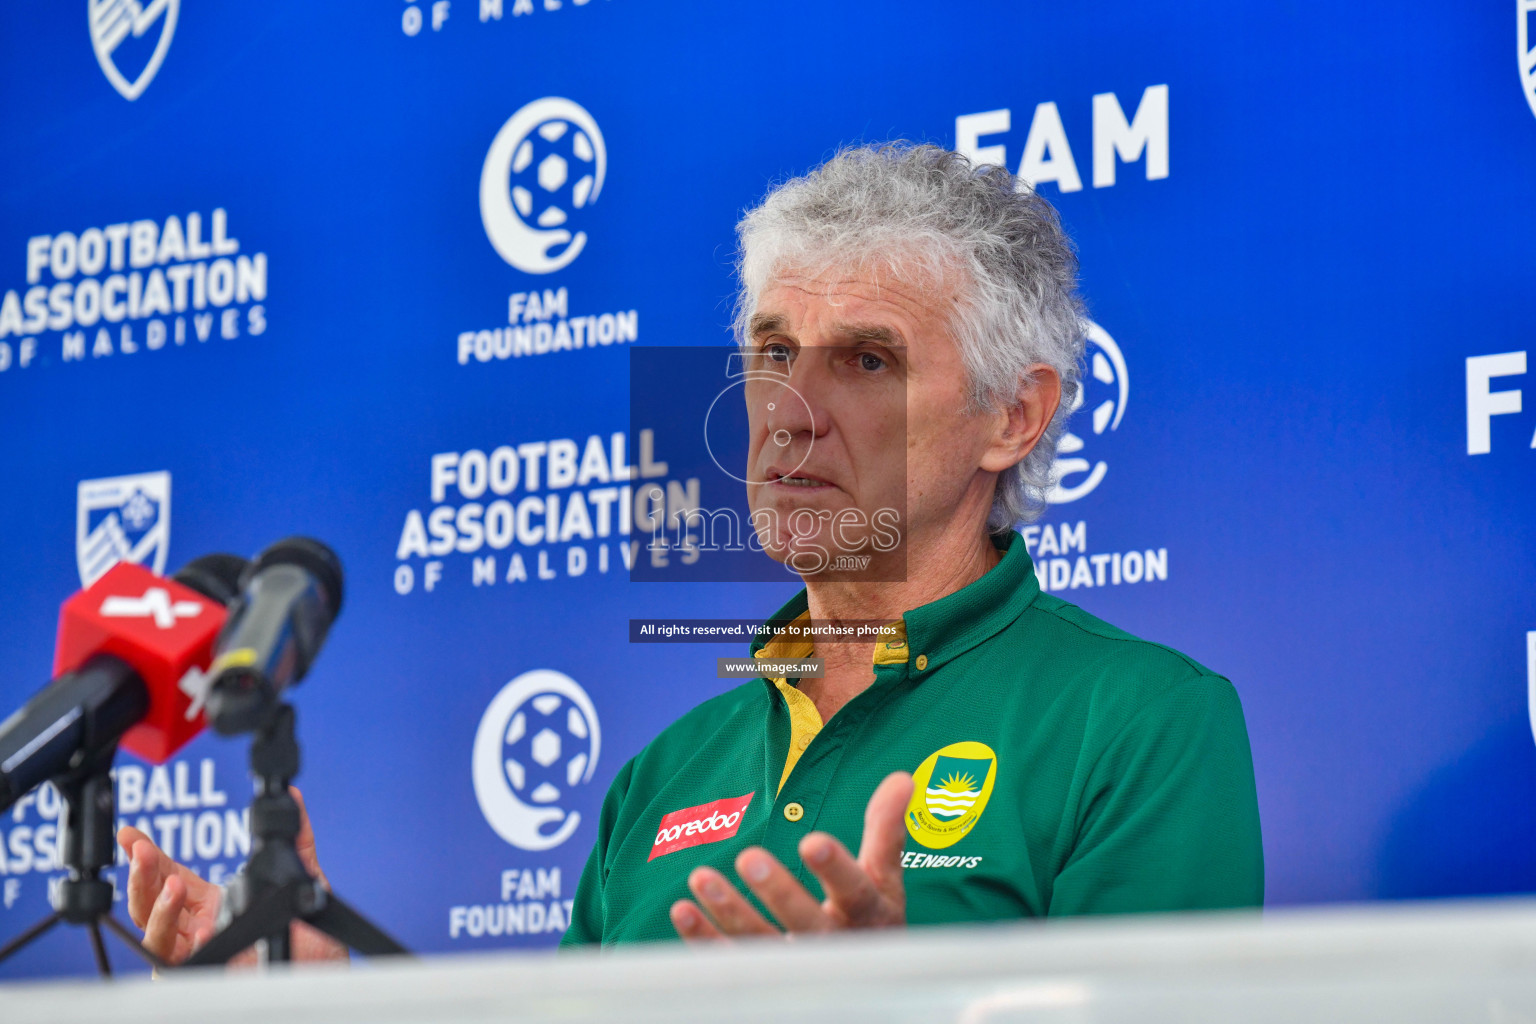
pixel 797 479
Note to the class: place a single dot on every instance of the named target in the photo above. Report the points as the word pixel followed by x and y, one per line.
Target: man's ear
pixel 1023 422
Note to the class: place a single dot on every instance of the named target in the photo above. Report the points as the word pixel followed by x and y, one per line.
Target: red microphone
pixel 164 630
pixel 129 670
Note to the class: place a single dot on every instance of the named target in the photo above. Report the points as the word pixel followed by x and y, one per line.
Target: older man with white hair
pixel 1024 758
pixel 996 752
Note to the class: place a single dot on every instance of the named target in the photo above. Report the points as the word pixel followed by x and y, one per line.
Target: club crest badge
pixel 1525 12
pixel 118 35
pixel 950 792
pixel 122 519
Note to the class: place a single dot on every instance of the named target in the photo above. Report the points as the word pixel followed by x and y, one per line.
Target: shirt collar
pixel 944 629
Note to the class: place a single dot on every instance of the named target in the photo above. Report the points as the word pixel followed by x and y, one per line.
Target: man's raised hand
pixel 866 892
pixel 178 910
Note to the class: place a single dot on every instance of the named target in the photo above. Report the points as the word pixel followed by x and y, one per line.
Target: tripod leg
pixel 100 949
pixel 279 949
pixel 35 932
pixel 338 920
pixel 132 943
pixel 270 914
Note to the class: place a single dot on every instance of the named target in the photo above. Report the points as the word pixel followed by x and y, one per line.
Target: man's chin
pixel 819 558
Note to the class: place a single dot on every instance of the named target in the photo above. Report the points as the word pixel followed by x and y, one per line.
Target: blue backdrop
pixel 247 254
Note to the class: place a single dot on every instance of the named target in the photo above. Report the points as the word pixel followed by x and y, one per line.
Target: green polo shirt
pixel 1062 767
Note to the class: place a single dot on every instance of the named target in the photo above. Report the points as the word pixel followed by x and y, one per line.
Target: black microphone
pixel 126 679
pixel 217 577
pixel 289 596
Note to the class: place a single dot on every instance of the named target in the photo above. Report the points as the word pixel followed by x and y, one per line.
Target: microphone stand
pixel 276 889
pixel 86 836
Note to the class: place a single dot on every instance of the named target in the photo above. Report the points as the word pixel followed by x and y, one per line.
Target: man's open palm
pixel 179 911
pixel 866 892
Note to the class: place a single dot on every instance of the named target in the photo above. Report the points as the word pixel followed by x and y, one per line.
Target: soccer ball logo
pixel 544 169
pixel 553 174
pixel 538 741
pixel 1104 390
pixel 546 747
pixel 1525 17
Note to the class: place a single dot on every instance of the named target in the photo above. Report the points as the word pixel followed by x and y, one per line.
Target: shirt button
pixel 793 812
pixel 922 662
pixel 804 742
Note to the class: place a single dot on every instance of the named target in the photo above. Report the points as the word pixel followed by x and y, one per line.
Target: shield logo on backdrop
pixel 1525 11
pixel 950 791
pixel 118 31
pixel 122 519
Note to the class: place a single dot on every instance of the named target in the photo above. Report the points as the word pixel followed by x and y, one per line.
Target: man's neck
pixel 933 571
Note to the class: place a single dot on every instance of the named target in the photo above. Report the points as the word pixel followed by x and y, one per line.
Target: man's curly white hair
pixel 924 215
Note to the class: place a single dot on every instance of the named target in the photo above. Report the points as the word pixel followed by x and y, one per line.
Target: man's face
pixel 856 405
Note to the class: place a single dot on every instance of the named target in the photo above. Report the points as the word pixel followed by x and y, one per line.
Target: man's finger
pixel 786 899
pixel 312 944
pixel 304 842
pixel 146 872
pixel 163 926
pixel 692 924
pixel 885 832
pixel 850 891
pixel 732 914
pixel 127 836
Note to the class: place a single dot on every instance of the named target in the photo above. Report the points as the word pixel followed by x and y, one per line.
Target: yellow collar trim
pixel 804 720
pixel 894 650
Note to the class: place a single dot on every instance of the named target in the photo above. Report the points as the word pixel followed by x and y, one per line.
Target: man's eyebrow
pixel 764 323
pixel 870 332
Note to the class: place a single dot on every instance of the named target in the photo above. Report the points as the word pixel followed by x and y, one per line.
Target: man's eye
pixel 776 352
pixel 871 362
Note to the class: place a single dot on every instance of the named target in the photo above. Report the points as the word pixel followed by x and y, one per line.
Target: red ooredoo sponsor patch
pixel 694 826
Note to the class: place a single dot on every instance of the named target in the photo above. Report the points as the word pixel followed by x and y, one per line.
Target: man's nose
pixel 796 408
